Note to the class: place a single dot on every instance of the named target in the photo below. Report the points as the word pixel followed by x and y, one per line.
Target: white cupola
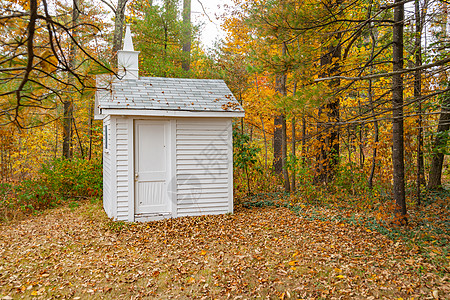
pixel 128 59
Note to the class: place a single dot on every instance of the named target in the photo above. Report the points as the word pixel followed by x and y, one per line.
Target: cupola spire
pixel 128 59
pixel 128 41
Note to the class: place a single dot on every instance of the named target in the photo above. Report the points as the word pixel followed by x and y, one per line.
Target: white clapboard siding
pixel 107 168
pixel 122 161
pixel 202 166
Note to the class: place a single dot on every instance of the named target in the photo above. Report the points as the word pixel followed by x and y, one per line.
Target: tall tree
pixel 278 144
pixel 160 39
pixel 329 134
pixel 68 102
pixel 279 134
pixel 420 180
pixel 328 157
pixel 119 12
pixel 280 131
pixel 442 135
pixel 397 115
pixel 440 144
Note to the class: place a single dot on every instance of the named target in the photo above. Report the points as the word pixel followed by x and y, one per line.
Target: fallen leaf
pixel 190 280
pixel 292 263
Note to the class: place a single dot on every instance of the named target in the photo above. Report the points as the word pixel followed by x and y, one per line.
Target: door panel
pixel 151 165
pixel 151 193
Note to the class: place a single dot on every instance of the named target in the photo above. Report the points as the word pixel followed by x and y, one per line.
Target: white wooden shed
pixel 167 149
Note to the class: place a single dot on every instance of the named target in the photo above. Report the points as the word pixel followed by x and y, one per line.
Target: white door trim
pixel 131 196
pixel 165 212
pixel 173 166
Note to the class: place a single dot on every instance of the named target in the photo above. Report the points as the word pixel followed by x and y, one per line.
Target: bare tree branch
pixel 387 74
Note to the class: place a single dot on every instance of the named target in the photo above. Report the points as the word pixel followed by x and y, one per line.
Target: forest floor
pixel 78 253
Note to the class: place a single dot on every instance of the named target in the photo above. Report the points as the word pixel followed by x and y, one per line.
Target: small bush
pixel 244 158
pixel 76 178
pixel 33 195
pixel 6 203
pixel 58 181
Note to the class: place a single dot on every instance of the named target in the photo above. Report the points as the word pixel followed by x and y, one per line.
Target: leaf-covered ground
pixel 255 253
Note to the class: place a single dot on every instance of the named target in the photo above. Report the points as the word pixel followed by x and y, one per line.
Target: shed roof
pixel 167 94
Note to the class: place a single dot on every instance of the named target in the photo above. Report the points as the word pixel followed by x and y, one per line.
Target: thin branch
pixel 17 15
pixel 388 74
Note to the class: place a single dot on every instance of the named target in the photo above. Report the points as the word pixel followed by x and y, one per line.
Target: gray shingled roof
pixel 154 93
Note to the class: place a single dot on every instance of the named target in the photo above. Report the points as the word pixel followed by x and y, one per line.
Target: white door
pixel 151 167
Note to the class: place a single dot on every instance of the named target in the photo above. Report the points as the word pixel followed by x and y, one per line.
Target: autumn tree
pixel 440 147
pixel 49 52
pixel 419 22
pixel 357 49
pixel 328 157
pixel 118 9
pixel 36 60
pixel 163 38
pixel 68 102
pixel 397 114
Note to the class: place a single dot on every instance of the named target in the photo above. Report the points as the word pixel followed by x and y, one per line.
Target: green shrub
pixel 33 195
pixel 76 178
pixel 58 181
pixel 6 203
pixel 244 158
pixel 350 179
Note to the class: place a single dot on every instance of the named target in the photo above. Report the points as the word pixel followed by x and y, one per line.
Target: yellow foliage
pixel 49 62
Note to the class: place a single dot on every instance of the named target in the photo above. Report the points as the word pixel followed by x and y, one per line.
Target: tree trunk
pixel 280 137
pixel 166 41
pixel 68 102
pixel 3 162
pixel 397 114
pixel 55 152
pixel 349 144
pixel 372 106
pixel 303 140
pixel 280 87
pixel 328 158
pixel 277 145
pixel 80 144
pixel 118 25
pixel 67 129
pixel 265 143
pixel 362 157
pixel 440 141
pixel 91 131
pixel 262 126
pixel 376 137
pixel 333 143
pixel 287 184
pixel 186 63
pixel 294 157
pixel 417 94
